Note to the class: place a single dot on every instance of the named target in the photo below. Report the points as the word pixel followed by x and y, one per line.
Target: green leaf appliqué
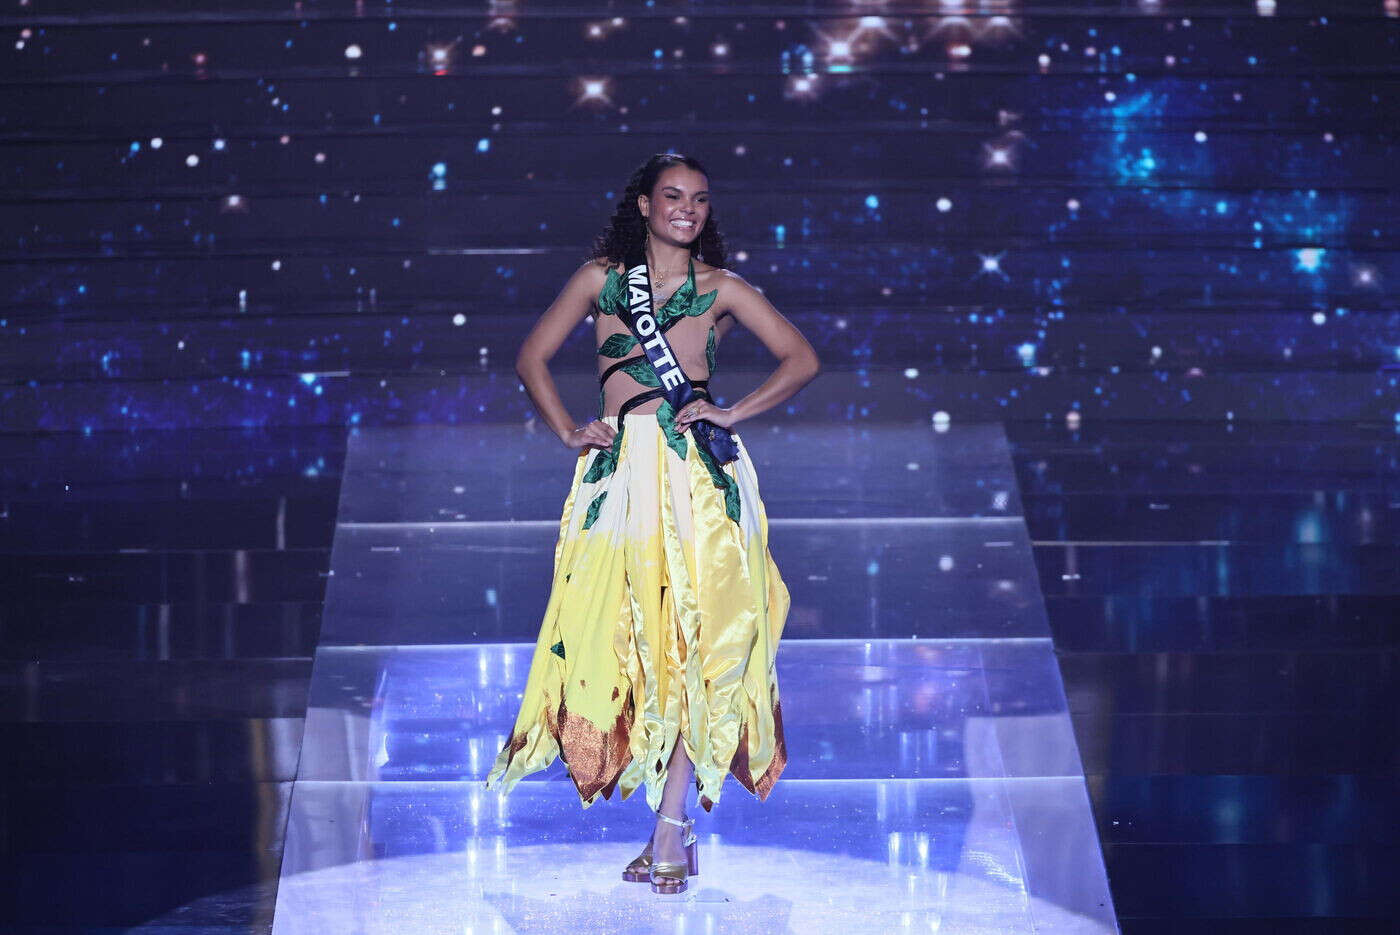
pixel 606 460
pixel 689 305
pixel 675 440
pixel 591 516
pixel 710 351
pixel 617 345
pixel 614 294
pixel 684 302
pixel 642 371
pixel 558 649
pixel 723 481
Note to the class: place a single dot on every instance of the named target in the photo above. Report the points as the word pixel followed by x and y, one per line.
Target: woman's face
pixel 678 206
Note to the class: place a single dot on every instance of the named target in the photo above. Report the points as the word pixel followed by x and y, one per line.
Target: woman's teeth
pixel 685 225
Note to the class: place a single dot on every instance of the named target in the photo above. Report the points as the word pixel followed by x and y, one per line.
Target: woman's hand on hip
pixel 702 410
pixel 596 434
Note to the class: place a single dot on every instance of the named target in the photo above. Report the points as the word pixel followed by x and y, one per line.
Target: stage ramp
pixel 933 782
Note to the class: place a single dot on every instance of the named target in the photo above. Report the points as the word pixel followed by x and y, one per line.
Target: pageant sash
pixel 639 318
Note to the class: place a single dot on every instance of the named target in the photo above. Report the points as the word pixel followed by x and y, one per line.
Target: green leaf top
pixel 614 294
pixel 686 302
pixel 710 351
pixel 683 302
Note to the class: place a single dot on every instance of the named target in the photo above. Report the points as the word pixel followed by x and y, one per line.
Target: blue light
pixel 1221 207
pixel 483 145
pixel 1310 258
pixel 872 202
pixel 440 168
pixel 308 378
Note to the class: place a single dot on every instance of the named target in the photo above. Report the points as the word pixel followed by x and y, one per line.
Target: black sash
pixel 636 313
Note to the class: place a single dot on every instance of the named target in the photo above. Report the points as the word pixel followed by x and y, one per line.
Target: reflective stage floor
pixel 933 781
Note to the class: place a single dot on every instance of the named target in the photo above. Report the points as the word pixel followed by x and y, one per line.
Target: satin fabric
pixel 662 627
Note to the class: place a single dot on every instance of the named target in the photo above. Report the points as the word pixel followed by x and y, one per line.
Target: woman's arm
pixel 574 301
pixel 797 362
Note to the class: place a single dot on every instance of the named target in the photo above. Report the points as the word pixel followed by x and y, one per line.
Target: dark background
pixel 259 213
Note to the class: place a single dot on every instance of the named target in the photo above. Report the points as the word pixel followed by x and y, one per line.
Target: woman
pixel 654 663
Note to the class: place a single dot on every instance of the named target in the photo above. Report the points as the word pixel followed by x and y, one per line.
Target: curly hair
pixel 627 229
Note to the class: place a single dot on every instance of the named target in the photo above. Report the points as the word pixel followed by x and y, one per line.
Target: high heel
pixel 669 877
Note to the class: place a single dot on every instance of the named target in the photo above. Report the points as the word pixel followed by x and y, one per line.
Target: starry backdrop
pixel 253 213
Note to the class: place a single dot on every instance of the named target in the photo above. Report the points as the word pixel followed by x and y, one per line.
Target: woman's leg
pixel 666 839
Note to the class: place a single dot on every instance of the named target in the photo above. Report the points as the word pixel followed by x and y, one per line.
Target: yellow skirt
pixel 663 623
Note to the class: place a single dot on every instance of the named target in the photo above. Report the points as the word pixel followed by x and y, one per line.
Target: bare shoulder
pixel 595 271
pixel 730 284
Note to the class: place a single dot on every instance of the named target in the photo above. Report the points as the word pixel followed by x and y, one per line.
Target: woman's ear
pixel 643 204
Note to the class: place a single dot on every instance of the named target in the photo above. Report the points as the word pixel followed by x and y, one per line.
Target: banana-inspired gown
pixel 665 608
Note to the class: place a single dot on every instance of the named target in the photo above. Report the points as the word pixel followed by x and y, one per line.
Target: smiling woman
pixel 654 664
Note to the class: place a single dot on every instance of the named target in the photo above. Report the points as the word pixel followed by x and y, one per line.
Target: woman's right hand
pixel 596 434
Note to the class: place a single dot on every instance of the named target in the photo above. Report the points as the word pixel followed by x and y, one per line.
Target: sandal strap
pixel 684 823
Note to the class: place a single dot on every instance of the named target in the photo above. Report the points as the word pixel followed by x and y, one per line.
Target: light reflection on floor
pixel 933 784
pixel 825 856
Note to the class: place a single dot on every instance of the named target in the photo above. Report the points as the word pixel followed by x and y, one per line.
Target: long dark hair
pixel 628 229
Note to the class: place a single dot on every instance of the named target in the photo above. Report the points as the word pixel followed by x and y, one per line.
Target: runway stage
pixel 933 781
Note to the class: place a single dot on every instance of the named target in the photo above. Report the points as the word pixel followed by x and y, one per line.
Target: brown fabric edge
pixel 595 758
pixel 739 766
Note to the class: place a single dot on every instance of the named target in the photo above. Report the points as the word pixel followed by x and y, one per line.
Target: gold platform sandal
pixel 670 877
pixel 639 870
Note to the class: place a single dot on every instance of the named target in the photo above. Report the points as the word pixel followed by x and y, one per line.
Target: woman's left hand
pixel 702 410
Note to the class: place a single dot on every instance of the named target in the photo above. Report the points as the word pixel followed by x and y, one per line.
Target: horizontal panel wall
pixel 1123 208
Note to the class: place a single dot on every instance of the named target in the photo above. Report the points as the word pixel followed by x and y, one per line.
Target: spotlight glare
pixel 594 90
pixel 802 87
